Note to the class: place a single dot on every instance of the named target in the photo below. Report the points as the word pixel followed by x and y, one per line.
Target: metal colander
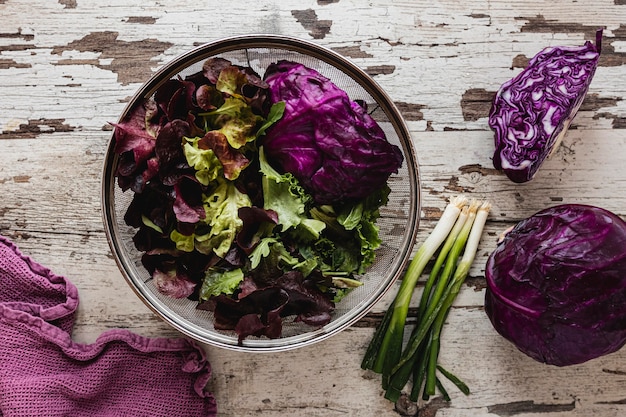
pixel 398 222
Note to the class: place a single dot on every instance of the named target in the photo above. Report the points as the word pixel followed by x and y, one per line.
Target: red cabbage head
pixel 556 284
pixel 328 142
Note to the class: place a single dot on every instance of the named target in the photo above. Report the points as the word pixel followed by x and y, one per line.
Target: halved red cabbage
pixel 329 143
pixel 531 112
pixel 556 284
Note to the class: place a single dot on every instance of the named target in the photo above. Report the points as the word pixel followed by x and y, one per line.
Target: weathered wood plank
pixel 69 69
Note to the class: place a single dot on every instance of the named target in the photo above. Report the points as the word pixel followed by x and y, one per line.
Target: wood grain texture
pixel 68 70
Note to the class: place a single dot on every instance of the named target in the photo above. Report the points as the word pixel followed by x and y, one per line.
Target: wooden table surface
pixel 68 67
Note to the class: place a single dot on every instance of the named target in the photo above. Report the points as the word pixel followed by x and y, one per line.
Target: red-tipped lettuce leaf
pixel 232 160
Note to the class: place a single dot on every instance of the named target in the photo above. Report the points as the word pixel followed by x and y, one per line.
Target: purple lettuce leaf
pixel 169 152
pixel 173 283
pixel 232 160
pixel 257 223
pixel 188 206
pixel 259 308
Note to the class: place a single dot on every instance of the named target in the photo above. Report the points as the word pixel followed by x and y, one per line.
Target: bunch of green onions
pixel 458 231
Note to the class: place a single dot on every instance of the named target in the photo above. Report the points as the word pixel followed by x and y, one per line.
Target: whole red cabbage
pixel 556 284
pixel 329 143
pixel 531 112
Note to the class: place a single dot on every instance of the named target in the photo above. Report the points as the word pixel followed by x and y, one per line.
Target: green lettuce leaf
pixel 183 243
pixel 361 220
pixel 204 161
pixel 273 251
pixel 275 114
pixel 242 129
pixel 218 282
pixel 235 120
pixel 149 223
pixel 221 209
pixel 284 195
pixel 261 250
pixel 351 218
pixel 231 80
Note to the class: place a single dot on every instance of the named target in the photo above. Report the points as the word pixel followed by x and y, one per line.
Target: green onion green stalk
pixel 457 232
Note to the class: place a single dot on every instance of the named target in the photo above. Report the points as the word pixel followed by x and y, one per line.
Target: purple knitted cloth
pixel 44 373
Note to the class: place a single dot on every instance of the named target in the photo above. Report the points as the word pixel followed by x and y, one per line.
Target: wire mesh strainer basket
pixel 398 222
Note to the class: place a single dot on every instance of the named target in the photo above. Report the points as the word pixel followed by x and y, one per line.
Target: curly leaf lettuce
pixel 361 219
pixel 235 120
pixel 283 194
pixel 222 214
pixel 204 161
pixel 218 282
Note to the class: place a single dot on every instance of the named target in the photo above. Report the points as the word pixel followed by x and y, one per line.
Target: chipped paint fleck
pixel 617 121
pixel 410 111
pixel 609 56
pixel 34 127
pixel 453 185
pixel 594 102
pixel 477 283
pixel 131 61
pixel 539 24
pixel 478 168
pixel 10 63
pixel 318 29
pixel 68 4
pixel 21 178
pixel 352 52
pixel 146 20
pixel 19 35
pixel 528 407
pixel 476 103
pixel 94 62
pixel 432 213
pixel 380 70
pixel 15 47
pixel 520 61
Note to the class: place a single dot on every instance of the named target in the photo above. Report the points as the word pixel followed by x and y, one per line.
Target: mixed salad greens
pixel 257 197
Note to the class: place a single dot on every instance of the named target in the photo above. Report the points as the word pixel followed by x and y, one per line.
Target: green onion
pixel 386 348
pixel 458 231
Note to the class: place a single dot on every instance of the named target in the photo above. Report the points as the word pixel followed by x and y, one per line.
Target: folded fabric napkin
pixel 44 373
